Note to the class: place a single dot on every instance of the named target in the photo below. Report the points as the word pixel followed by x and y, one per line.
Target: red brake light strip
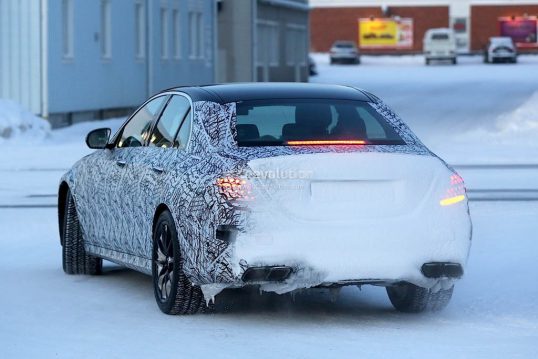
pixel 325 142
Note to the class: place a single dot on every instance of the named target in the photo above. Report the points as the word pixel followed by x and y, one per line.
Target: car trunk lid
pixel 343 186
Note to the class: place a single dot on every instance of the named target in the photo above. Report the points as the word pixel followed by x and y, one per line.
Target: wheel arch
pixel 158 211
pixel 63 190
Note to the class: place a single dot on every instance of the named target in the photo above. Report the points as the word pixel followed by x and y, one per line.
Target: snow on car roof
pixel 500 39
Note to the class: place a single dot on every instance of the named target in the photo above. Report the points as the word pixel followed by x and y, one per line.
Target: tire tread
pixel 417 299
pixel 75 260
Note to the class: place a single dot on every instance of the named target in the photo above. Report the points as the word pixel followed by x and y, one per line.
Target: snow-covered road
pixel 45 313
pixel 481 118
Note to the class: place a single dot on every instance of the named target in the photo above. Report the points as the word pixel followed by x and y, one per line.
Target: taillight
pixel 234 188
pixel 455 193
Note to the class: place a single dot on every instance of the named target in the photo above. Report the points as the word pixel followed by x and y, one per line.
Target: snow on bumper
pixel 393 250
pixel 380 224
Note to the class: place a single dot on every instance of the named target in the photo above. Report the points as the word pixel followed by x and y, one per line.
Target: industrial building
pixel 70 60
pixel 263 40
pixel 75 60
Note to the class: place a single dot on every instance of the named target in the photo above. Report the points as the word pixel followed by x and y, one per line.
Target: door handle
pixel 121 163
pixel 158 170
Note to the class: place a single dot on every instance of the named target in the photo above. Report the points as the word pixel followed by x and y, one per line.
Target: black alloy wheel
pixel 174 292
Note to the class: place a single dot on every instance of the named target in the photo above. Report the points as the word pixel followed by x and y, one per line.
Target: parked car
pixel 312 68
pixel 344 52
pixel 500 49
pixel 282 186
pixel 440 45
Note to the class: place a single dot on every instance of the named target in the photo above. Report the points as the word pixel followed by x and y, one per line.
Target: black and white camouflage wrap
pixel 117 204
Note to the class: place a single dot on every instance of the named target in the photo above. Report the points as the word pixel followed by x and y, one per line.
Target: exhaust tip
pixel 266 274
pixel 442 269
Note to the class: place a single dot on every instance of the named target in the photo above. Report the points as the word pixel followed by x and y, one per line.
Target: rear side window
pixel 170 121
pixel 184 132
pixel 289 122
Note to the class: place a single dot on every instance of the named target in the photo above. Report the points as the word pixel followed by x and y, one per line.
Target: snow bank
pixel 520 125
pixel 512 138
pixel 16 122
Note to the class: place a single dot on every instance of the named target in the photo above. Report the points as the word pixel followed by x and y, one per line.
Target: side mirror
pixel 98 139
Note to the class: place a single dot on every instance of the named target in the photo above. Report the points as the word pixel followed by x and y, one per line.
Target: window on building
pixel 196 36
pixel 200 36
pixel 140 31
pixel 164 33
pixel 176 35
pixel 296 45
pixel 67 29
pixel 268 44
pixel 106 31
pixel 192 35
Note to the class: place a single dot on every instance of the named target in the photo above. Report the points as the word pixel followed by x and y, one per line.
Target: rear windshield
pixel 344 45
pixel 440 37
pixel 310 122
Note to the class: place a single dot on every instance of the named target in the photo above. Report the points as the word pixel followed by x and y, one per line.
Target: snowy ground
pixel 45 313
pixel 482 118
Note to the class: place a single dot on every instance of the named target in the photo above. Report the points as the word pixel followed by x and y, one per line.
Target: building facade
pixel 473 21
pixel 263 40
pixel 75 59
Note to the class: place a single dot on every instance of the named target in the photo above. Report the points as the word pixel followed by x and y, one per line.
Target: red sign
pixel 523 30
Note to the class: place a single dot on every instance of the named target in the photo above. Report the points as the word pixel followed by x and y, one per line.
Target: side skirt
pixel 139 264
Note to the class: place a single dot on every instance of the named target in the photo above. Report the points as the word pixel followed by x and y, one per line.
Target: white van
pixel 440 44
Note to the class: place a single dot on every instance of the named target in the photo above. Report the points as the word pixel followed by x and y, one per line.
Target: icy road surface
pixel 471 114
pixel 45 313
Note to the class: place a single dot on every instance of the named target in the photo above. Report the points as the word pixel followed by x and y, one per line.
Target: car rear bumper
pixel 360 252
pixel 502 57
pixel 345 57
pixel 440 57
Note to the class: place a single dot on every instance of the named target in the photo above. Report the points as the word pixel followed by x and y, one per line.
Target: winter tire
pixel 409 298
pixel 174 293
pixel 75 260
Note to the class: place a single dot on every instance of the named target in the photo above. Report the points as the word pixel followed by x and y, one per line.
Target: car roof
pixel 500 39
pixel 234 92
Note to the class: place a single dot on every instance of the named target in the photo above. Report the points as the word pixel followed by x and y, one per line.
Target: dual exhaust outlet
pixel 281 273
pixel 266 274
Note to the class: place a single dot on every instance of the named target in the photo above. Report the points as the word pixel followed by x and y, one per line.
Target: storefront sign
pixel 386 33
pixel 522 30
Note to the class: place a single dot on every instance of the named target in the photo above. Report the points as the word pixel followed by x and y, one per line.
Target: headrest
pixel 313 115
pixel 292 131
pixel 349 120
pixel 247 132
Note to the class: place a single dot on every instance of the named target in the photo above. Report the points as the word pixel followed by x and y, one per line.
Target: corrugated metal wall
pixel 20 55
